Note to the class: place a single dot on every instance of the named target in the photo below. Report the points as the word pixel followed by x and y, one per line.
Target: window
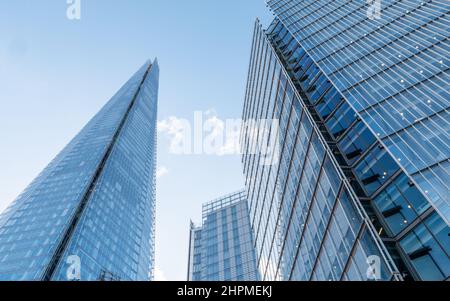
pixel 366 248
pixel 310 74
pixel 428 257
pixel 356 142
pixel 328 103
pixel 318 88
pixel 341 120
pixel 400 203
pixel 375 169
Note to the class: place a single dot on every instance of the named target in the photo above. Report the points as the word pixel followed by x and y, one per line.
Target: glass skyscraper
pixel 93 205
pixel 360 188
pixel 222 248
pixel 394 73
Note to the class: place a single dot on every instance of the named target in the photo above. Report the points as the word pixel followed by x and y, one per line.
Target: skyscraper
pixel 392 68
pixel 89 215
pixel 222 248
pixel 342 202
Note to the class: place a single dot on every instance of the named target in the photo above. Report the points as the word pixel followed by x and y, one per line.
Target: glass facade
pixel 393 70
pixel 336 197
pixel 95 200
pixel 222 248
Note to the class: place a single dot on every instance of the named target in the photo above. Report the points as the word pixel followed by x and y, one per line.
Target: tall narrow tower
pixel 89 215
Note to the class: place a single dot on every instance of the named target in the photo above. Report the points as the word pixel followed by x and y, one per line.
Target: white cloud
pixel 159 274
pixel 216 137
pixel 161 171
pixel 178 131
pixel 211 112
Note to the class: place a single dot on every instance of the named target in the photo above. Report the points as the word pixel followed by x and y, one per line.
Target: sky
pixel 56 73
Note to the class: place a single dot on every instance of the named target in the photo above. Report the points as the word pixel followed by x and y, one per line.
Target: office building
pixel 89 215
pixel 340 201
pixel 221 249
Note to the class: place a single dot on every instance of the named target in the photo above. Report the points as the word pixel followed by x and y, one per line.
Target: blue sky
pixel 55 74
